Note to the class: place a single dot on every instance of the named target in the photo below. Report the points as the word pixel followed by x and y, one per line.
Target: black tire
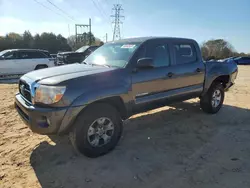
pixel 41 67
pixel 206 101
pixel 79 134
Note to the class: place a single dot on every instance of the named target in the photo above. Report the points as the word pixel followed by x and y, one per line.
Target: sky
pixel 197 19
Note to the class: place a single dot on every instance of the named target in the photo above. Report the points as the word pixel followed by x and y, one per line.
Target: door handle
pixel 170 74
pixel 198 70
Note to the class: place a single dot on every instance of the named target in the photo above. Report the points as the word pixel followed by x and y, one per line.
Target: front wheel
pixel 213 100
pixel 97 130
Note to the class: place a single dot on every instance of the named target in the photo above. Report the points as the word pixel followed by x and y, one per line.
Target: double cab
pixel 89 101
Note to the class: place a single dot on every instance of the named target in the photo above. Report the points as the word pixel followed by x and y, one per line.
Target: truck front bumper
pixel 45 120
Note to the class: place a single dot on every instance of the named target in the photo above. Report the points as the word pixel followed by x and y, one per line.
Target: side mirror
pixel 145 63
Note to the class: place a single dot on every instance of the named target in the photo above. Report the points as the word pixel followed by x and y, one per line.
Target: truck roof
pixel 144 39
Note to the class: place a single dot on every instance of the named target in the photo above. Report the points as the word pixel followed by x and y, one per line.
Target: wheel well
pixel 224 79
pixel 41 65
pixel 116 102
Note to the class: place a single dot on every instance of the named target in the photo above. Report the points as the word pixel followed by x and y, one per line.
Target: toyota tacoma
pixel 89 101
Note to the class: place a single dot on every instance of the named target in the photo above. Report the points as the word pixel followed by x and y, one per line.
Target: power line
pixel 47 8
pixel 61 10
pixel 99 9
pixel 107 1
pixel 104 15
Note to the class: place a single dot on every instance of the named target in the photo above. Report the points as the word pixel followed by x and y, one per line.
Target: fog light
pixel 44 122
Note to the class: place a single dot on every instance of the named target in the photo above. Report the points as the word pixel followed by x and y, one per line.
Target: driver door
pixel 148 84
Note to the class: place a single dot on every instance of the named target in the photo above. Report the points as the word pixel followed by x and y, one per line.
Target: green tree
pixel 219 49
pixel 47 41
pixel 51 42
pixel 28 40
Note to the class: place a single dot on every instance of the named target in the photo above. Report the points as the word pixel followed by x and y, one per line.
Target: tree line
pixel 219 49
pixel 47 41
pixel 211 49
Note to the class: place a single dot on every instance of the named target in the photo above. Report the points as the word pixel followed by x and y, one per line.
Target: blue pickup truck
pixel 89 101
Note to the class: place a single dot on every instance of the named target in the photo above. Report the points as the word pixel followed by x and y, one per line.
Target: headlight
pixel 49 94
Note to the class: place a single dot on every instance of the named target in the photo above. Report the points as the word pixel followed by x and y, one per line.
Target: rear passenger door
pixel 188 70
pixel 28 60
pixel 40 58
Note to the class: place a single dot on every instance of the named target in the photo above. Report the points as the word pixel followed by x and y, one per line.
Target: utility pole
pixel 90 34
pixel 69 29
pixel 81 36
pixel 117 16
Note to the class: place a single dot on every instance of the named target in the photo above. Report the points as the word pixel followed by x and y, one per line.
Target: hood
pixel 59 74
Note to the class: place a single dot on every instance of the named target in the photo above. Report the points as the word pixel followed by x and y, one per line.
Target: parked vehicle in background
pixel 242 60
pixel 228 59
pixel 88 101
pixel 53 55
pixel 75 57
pixel 16 62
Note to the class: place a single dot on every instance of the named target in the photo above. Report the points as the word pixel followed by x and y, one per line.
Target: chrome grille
pixel 24 90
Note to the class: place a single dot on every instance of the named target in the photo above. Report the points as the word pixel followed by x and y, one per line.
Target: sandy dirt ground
pixel 176 146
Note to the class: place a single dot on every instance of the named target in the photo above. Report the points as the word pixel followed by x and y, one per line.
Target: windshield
pixel 3 52
pixel 112 54
pixel 82 49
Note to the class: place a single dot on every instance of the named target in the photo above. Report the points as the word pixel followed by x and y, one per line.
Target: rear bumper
pixel 46 121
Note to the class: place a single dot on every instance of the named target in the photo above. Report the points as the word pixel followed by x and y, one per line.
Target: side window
pixel 37 55
pixel 24 55
pixel 185 53
pixel 31 55
pixel 47 54
pixel 141 53
pixel 161 56
pixel 9 55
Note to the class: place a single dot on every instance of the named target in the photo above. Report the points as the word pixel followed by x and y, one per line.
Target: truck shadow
pixel 155 142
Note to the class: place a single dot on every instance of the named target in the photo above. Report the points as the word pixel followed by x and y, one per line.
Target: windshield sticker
pixel 128 46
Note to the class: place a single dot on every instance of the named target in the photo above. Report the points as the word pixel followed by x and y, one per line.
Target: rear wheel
pixel 213 100
pixel 97 130
pixel 41 67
